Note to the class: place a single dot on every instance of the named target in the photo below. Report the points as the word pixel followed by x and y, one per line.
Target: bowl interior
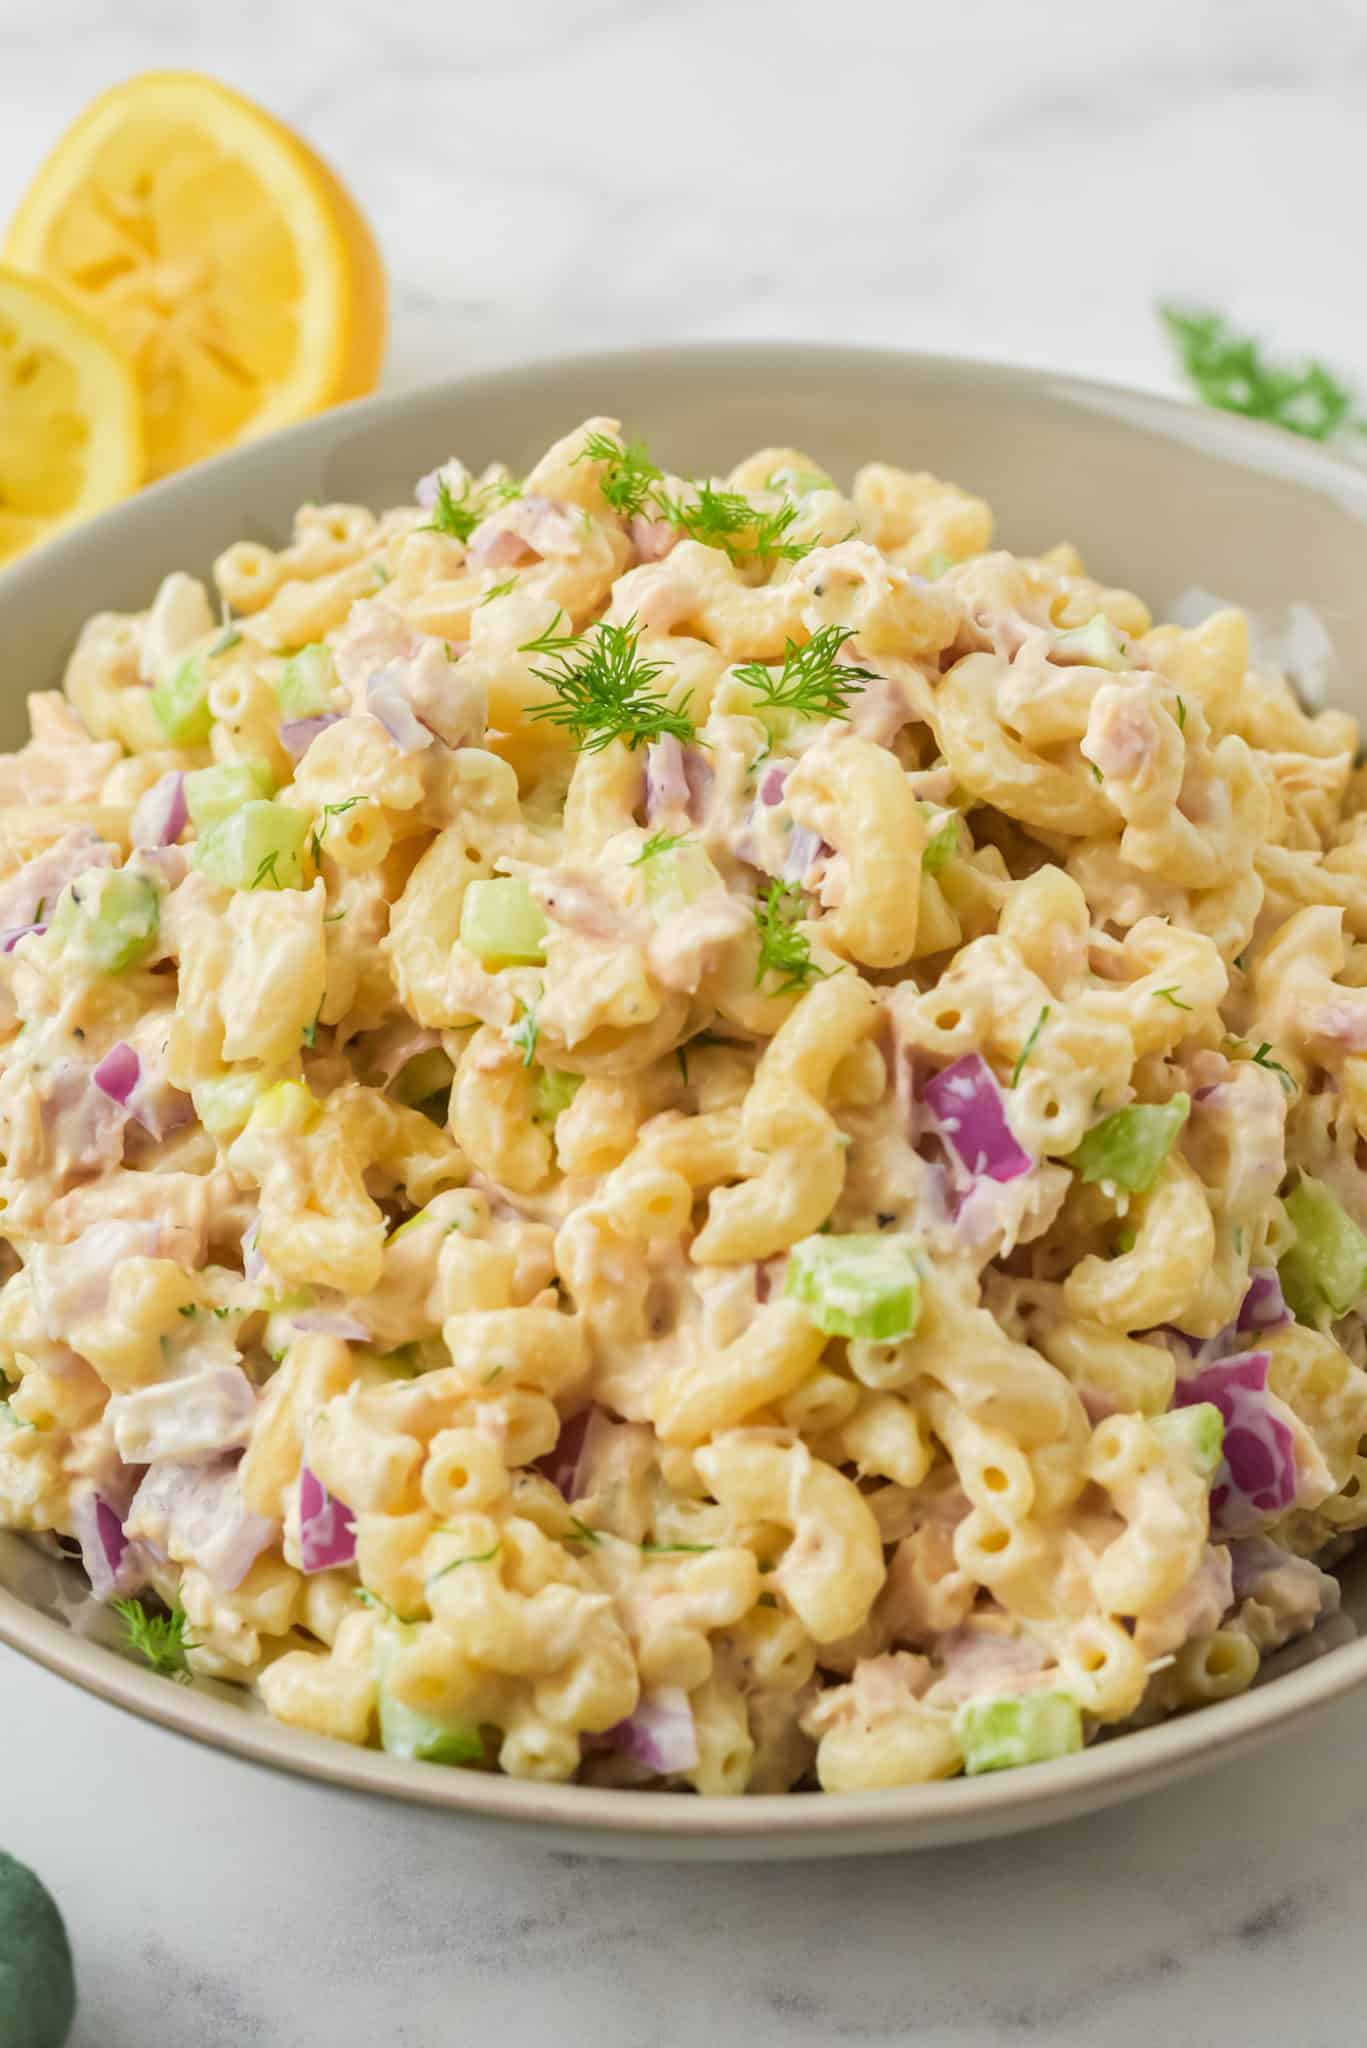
pixel 1158 497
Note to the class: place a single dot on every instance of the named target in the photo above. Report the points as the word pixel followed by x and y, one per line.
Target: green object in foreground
pixel 502 924
pixel 1198 1430
pixel 1326 1268
pixel 37 1982
pixel 863 1285
pixel 404 1732
pixel 111 920
pixel 1128 1149
pixel 1005 1730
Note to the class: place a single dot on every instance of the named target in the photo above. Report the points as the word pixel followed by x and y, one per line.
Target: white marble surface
pixel 983 176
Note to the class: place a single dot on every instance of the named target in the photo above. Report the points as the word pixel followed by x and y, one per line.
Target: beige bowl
pixel 1159 497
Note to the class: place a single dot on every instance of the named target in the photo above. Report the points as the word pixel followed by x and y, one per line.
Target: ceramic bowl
pixel 1159 496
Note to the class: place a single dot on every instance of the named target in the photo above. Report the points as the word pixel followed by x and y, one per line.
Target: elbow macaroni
pixel 422 1217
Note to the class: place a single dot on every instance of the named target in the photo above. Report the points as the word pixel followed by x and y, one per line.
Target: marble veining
pixel 980 177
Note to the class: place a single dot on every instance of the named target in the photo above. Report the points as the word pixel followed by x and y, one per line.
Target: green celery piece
pixel 859 1286
pixel 502 924
pixel 1198 1430
pixel 678 877
pixel 224 1103
pixel 552 1092
pixel 1098 642
pixel 214 793
pixel 112 922
pixel 404 1732
pixel 941 849
pixel 1326 1268
pixel 258 846
pixel 1128 1148
pixel 306 684
pixel 425 1075
pixel 1007 1729
pixel 181 704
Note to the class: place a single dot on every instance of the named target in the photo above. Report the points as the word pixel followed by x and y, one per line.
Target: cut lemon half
pixel 70 422
pixel 217 251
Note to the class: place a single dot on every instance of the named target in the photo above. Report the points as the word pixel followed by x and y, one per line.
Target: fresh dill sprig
pixel 228 638
pixel 1260 1059
pixel 601 684
pixel 658 842
pixel 630 479
pixel 159 1638
pixel 581 1533
pixel 498 590
pixel 457 514
pixel 379 1606
pixel 814 682
pixel 1170 995
pixel 674 1549
pixel 551 641
pixel 1228 370
pixel 525 1033
pixel 330 811
pixel 1030 1044
pixel 267 867
pixel 783 949
pixel 476 1557
pixel 309 1034
pixel 634 486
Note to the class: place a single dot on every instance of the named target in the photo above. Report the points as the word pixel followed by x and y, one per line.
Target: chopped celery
pixel 306 684
pixel 678 877
pixel 224 1104
pixel 941 848
pixel 935 566
pixel 288 1107
pixel 859 1286
pixel 1326 1268
pixel 501 923
pixel 1007 1729
pixel 404 1732
pixel 1098 643
pixel 1198 1430
pixel 110 919
pixel 214 793
pixel 1129 1148
pixel 258 846
pixel 181 704
pixel 425 1075
pixel 553 1091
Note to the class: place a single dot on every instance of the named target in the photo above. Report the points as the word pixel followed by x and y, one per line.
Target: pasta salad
pixel 681 1132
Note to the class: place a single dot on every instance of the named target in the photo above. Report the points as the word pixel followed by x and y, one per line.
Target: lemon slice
pixel 218 251
pixel 70 423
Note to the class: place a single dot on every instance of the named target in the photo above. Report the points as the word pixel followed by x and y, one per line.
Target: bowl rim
pixel 826 1823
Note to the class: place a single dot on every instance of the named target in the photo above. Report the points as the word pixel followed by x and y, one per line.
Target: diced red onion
pixel 327 1534
pixel 1257 1477
pixel 298 734
pixel 118 1073
pixel 1263 1306
pixel 771 784
pixel 197 1511
pixel 803 848
pixel 10 939
pixel 652 539
pixel 326 1322
pixel 149 1098
pixel 666 783
pixel 660 1733
pixel 561 1464
pixel 970 1114
pixel 385 700
pixel 99 1531
pixel 700 776
pixel 161 812
pixel 1251 1559
pixel 498 547
pixel 425 489
pixel 199 1414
